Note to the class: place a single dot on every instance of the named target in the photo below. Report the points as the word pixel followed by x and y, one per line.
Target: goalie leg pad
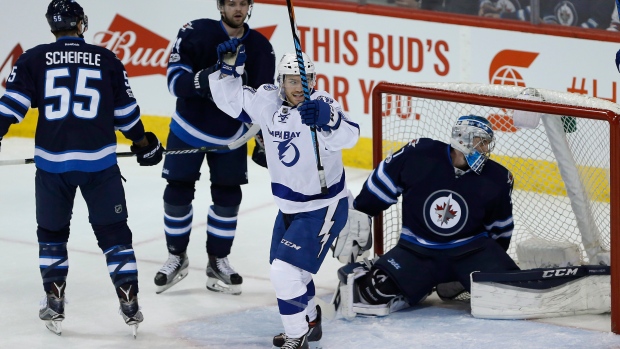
pixel 541 293
pixel 355 238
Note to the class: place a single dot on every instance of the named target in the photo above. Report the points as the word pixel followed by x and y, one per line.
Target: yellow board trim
pixel 546 173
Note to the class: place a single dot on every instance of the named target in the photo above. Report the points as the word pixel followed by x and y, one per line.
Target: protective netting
pixel 542 204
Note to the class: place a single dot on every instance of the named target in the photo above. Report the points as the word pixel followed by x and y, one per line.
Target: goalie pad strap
pixel 541 293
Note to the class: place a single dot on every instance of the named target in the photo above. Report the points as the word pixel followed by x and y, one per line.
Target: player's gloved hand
pixel 201 81
pixel 618 60
pixel 258 154
pixel 150 154
pixel 316 113
pixel 231 62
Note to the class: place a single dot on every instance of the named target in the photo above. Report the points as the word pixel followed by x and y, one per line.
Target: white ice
pixel 190 316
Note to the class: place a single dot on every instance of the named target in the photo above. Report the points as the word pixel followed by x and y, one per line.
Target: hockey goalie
pixel 457 225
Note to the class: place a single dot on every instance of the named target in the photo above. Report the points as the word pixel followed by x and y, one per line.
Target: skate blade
pixel 54 326
pixel 134 330
pixel 180 276
pixel 215 285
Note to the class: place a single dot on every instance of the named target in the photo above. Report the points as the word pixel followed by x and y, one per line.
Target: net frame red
pixel 526 105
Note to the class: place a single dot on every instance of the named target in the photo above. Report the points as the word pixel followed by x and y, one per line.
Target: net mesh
pixel 542 207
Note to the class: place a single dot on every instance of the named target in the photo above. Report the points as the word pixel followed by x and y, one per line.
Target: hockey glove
pixel 258 155
pixel 232 62
pixel 618 60
pixel 317 113
pixel 201 82
pixel 150 154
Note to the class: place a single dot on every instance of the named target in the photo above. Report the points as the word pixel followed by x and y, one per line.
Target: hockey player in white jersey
pixel 308 221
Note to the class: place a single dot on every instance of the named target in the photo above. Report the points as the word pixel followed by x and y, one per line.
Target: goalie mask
pixel 64 15
pixel 473 136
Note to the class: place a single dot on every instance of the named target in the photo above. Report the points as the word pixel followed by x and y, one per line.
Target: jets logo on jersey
pixel 445 212
pixel 288 153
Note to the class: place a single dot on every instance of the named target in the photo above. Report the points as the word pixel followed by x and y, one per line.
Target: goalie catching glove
pixel 231 57
pixel 355 238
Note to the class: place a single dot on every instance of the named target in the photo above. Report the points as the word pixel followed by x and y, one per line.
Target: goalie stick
pixel 252 131
pixel 304 85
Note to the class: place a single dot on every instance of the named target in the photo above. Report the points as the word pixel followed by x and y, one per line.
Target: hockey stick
pixel 304 84
pixel 252 131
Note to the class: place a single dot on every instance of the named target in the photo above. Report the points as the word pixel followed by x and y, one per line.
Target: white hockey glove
pixel 355 238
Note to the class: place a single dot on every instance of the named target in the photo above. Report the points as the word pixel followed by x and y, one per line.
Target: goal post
pixel 564 160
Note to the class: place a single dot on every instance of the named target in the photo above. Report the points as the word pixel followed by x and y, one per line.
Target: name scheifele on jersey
pixel 83 95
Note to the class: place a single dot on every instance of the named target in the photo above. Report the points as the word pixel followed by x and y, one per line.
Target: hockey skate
pixel 222 277
pixel 293 343
pixel 315 333
pixel 174 270
pixel 53 308
pixel 129 308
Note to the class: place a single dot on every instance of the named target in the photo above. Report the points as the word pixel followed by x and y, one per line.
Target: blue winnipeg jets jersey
pixel 440 210
pixel 288 143
pixel 82 94
pixel 197 120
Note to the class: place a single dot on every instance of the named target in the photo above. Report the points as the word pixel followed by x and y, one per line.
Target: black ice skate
pixel 53 308
pixel 129 309
pixel 315 333
pixel 293 343
pixel 222 277
pixel 174 270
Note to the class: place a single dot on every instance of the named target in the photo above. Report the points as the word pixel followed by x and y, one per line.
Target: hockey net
pixel 560 163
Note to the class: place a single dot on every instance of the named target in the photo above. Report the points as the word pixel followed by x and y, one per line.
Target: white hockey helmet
pixel 289 66
pixel 467 134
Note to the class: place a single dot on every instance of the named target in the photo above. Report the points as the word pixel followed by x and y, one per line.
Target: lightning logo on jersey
pixel 327 225
pixel 283 148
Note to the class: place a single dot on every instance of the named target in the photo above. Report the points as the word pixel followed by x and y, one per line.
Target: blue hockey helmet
pixel 473 136
pixel 65 15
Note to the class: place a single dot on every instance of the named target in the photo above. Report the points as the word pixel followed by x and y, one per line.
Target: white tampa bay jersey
pixel 288 142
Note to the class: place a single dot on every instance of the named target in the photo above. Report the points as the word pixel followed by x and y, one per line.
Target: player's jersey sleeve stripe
pixel 195 137
pixel 79 160
pixel 172 69
pixel 23 100
pixel 377 192
pixel 509 222
pixel 385 179
pixel 172 83
pixel 7 111
pixel 128 126
pixel 126 110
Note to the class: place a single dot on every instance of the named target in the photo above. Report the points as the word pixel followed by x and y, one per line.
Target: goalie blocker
pixel 540 293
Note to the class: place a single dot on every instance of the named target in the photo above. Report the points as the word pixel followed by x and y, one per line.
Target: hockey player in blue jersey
pixel 198 122
pixel 456 219
pixel 308 221
pixel 83 96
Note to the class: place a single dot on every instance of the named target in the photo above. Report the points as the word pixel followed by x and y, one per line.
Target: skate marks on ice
pixel 423 326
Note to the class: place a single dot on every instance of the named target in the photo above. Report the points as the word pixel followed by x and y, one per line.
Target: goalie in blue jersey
pixel 83 95
pixel 456 219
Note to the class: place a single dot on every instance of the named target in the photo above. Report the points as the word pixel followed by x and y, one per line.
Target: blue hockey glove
pixel 618 60
pixel 315 113
pixel 229 46
pixel 150 154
